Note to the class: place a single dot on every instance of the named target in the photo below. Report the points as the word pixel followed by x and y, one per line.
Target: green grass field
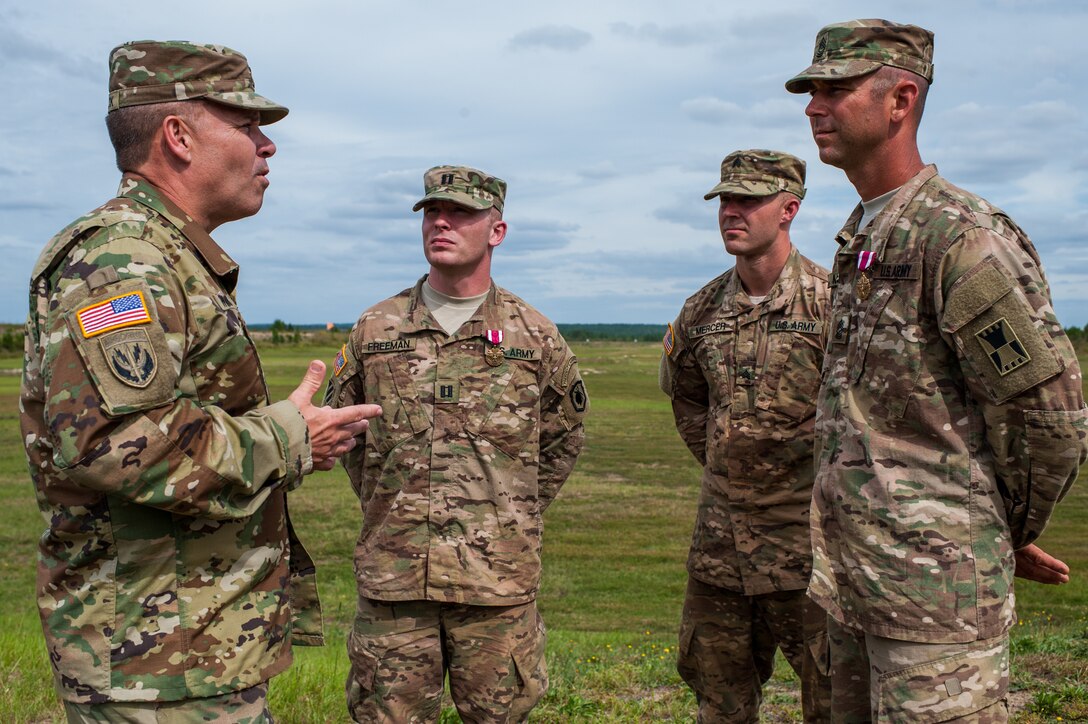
pixel 615 545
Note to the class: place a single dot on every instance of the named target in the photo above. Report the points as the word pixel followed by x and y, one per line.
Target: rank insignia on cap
pixel 1003 347
pixel 341 361
pixel 124 310
pixel 668 341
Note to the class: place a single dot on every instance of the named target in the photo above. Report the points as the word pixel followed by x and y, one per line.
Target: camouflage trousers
pixel 727 646
pixel 401 652
pixel 248 706
pixel 887 680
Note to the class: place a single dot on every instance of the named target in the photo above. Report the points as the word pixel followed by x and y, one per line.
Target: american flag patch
pixel 123 310
pixel 340 361
pixel 866 259
pixel 668 341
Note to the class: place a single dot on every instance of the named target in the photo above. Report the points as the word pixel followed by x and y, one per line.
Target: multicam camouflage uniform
pixel 950 422
pixel 743 378
pixel 470 450
pixel 160 469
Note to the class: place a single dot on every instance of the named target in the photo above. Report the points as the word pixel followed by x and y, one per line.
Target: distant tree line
pixel 11 336
pixel 623 332
pixel 282 332
pixel 12 340
pixel 1078 336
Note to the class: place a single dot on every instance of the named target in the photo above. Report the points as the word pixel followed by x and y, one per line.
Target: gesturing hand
pixel 332 431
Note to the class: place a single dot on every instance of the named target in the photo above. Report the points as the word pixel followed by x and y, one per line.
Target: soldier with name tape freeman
pixel 483 423
pixel 170 580
pixel 950 419
pixel 741 364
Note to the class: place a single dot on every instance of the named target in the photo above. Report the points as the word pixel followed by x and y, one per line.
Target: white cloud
pixel 609 120
pixel 551 37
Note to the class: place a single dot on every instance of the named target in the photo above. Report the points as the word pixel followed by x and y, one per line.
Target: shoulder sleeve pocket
pixel 995 330
pixel 575 401
pixel 123 347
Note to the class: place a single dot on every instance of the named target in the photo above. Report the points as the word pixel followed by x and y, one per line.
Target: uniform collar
pixel 419 317
pixel 141 191
pixel 851 239
pixel 736 301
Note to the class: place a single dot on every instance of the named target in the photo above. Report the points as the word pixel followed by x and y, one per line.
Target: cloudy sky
pixel 608 119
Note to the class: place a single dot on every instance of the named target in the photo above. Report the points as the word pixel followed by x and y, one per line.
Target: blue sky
pixel 608 119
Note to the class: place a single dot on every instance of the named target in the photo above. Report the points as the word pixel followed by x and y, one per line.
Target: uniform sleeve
pixel 346 388
pixel 563 407
pixel 118 419
pixel 1019 368
pixel 681 379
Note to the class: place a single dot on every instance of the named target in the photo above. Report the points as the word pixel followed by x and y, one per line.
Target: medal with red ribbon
pixel 493 353
pixel 865 284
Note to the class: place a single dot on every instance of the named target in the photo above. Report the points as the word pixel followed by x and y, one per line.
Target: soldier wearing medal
pixel 483 423
pixel 171 584
pixel 950 419
pixel 741 365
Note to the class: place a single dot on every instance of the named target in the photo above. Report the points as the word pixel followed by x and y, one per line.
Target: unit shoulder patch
pixel 130 356
pixel 1003 347
pixel 996 332
pixel 124 348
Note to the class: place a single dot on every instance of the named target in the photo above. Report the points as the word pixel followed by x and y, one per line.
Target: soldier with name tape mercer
pixel 741 365
pixel 170 580
pixel 950 419
pixel 483 423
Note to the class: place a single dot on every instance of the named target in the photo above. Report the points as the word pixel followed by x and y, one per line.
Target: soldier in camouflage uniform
pixel 742 366
pixel 483 423
pixel 950 420
pixel 170 581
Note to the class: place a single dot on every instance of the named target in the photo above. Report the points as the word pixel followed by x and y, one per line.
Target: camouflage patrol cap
pixel 462 185
pixel 858 47
pixel 151 71
pixel 758 172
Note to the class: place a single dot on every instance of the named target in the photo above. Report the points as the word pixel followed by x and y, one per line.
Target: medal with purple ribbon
pixel 865 285
pixel 493 353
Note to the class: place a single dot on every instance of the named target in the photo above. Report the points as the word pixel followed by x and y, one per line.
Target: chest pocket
pixel 224 368
pixel 715 357
pixel 791 379
pixel 502 405
pixel 885 353
pixel 389 383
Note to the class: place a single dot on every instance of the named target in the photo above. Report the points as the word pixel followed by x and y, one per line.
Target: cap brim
pixel 831 70
pixel 269 111
pixel 476 204
pixel 748 189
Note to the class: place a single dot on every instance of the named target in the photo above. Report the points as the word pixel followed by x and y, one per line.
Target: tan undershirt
pixel 872 207
pixel 450 312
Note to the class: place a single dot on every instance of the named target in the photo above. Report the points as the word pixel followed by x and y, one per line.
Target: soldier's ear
pixel 177 138
pixel 790 208
pixel 498 233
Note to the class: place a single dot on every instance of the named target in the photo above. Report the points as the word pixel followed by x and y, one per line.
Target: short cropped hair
pixel 132 128
pixel 888 76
